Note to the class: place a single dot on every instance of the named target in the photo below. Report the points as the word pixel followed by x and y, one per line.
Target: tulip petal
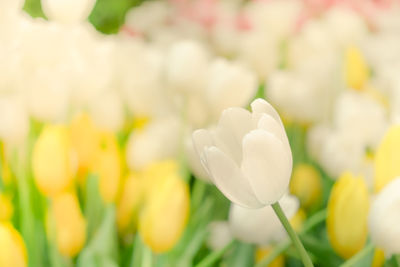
pixel 229 179
pixel 260 106
pixel 266 165
pixel 268 123
pixel 232 126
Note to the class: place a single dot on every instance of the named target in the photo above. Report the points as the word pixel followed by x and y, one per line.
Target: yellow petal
pixel 263 252
pixel 356 69
pixel 107 165
pixel 387 159
pixel 70 225
pixel 165 212
pixel 6 208
pixel 348 208
pixel 12 247
pixel 84 140
pixel 128 204
pixel 306 184
pixel 52 162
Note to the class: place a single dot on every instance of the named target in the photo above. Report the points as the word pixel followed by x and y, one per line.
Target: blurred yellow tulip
pixel 69 224
pixel 107 165
pixel 4 166
pixel 6 207
pixel 306 185
pixel 12 247
pixel 166 209
pixel 348 209
pixel 356 69
pixel 52 161
pixel 263 252
pixel 378 259
pixel 84 140
pixel 129 202
pixel 387 159
pixel 298 219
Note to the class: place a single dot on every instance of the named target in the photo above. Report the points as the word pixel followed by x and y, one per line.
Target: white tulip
pixel 229 85
pixel 67 11
pixel 261 226
pixel 107 111
pixel 187 63
pixel 157 141
pixel 248 155
pixel 14 120
pixel 194 162
pixel 384 219
pixel 220 235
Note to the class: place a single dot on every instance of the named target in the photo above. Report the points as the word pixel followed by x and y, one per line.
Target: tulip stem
pixel 213 257
pixel 359 256
pixel 292 234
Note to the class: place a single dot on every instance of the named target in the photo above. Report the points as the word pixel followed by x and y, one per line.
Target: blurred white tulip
pixel 159 140
pixel 384 219
pixel 67 11
pixel 14 120
pixel 220 235
pixel 248 155
pixel 261 226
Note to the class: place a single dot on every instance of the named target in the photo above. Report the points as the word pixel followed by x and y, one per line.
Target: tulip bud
pixel 247 155
pixel 356 69
pixel 387 159
pixel 52 163
pixel 6 208
pixel 306 184
pixel 70 225
pixel 384 219
pixel 379 258
pixel 128 205
pixel 348 208
pixel 107 165
pixel 165 213
pixel 84 140
pixel 12 247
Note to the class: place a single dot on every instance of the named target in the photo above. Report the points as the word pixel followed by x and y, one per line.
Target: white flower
pixel 14 120
pixel 186 66
pixel 247 155
pixel 261 226
pixel 107 111
pixel 67 11
pixel 229 84
pixel 384 219
pixel 194 163
pixel 220 235
pixel 157 141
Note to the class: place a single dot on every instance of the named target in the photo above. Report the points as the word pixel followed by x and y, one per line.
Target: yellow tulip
pixel 6 208
pixel 4 166
pixel 348 208
pixel 128 204
pixel 52 162
pixel 263 252
pixel 387 159
pixel 69 224
pixel 84 140
pixel 378 259
pixel 356 69
pixel 107 165
pixel 12 247
pixel 306 184
pixel 166 209
pixel 298 219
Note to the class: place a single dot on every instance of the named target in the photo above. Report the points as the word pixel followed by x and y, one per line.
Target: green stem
pixel 216 255
pixel 292 234
pixel 284 245
pixel 359 256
